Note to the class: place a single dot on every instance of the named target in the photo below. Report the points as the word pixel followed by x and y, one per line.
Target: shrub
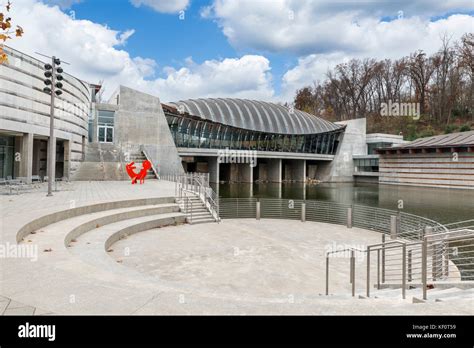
pixel 465 128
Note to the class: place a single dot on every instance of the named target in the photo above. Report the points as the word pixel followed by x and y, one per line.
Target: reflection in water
pixel 442 205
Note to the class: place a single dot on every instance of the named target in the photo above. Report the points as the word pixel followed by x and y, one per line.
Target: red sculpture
pixel 138 176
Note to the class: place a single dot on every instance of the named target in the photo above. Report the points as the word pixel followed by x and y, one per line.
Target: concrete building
pixel 438 161
pixel 285 144
pixel 25 118
pixel 366 166
pixel 235 140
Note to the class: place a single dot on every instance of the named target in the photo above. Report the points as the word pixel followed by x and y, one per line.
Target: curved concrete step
pixel 109 217
pixel 59 216
pixel 93 245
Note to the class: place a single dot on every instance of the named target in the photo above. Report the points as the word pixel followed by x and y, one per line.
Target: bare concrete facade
pixel 141 122
pixel 25 117
pixel 139 127
pixel 341 169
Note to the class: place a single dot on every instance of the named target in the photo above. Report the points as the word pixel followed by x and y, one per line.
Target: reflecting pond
pixel 442 205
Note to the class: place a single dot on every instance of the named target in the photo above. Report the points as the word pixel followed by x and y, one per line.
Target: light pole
pixel 53 87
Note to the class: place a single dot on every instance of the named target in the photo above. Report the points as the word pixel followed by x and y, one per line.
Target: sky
pixel 256 49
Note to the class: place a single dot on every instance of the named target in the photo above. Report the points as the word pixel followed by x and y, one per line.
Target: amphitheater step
pixel 92 247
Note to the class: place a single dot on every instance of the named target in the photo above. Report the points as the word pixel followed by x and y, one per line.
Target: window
pixel 105 128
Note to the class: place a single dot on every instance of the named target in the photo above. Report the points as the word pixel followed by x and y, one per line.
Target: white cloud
pixel 323 33
pixel 163 6
pixel 308 27
pixel 247 77
pixel 383 40
pixel 97 52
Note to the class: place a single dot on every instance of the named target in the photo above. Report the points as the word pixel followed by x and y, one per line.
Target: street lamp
pixel 53 87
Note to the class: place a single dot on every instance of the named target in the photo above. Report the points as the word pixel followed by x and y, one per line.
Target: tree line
pixel 441 85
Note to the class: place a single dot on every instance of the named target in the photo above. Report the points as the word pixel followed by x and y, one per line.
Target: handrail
pixel 197 184
pixel 145 153
pixel 460 222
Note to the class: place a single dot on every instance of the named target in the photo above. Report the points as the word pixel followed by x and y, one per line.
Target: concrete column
pixel 246 173
pixel 67 159
pixel 262 171
pixel 274 170
pixel 213 165
pixel 26 160
pixel 300 169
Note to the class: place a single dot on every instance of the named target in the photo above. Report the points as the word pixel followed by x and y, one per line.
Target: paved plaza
pixel 85 265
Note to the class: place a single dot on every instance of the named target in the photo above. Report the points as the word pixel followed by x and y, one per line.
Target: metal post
pixel 368 271
pixel 410 269
pixel 353 272
pixel 327 275
pixel 350 268
pixel 424 263
pixel 349 217
pixel 404 271
pixel 303 212
pixel 52 140
pixel 378 269
pixel 383 258
pixel 258 210
pixel 190 202
pixel 393 226
pixel 446 258
pixel 435 260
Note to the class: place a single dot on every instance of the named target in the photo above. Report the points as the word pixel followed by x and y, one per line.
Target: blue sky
pixel 259 49
pixel 168 39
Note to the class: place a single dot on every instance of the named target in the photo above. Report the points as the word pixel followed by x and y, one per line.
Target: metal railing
pixel 415 251
pixel 366 217
pixel 147 156
pixel 190 185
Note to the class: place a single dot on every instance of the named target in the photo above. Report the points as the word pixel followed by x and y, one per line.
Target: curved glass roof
pixel 256 115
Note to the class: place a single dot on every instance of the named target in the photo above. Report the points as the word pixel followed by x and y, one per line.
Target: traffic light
pixel 53 73
pixel 48 74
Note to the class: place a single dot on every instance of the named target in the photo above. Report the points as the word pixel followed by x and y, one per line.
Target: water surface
pixel 442 205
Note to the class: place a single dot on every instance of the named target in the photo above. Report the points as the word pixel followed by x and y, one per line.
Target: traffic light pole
pixel 52 140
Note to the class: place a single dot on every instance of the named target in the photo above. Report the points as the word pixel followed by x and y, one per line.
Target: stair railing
pixel 197 184
pixel 153 168
pixel 351 267
pixel 435 258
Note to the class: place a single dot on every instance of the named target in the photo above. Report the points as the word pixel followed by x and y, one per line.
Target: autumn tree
pixel 7 31
pixel 442 83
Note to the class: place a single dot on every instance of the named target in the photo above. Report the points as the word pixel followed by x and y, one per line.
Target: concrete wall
pixel 428 169
pixel 140 121
pixel 353 142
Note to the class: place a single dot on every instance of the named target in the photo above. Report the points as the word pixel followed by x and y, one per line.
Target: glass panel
pixel 7 150
pixel 106 117
pixel 102 134
pixel 110 135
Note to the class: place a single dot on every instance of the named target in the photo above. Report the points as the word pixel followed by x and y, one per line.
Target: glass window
pixel 7 149
pixel 106 118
